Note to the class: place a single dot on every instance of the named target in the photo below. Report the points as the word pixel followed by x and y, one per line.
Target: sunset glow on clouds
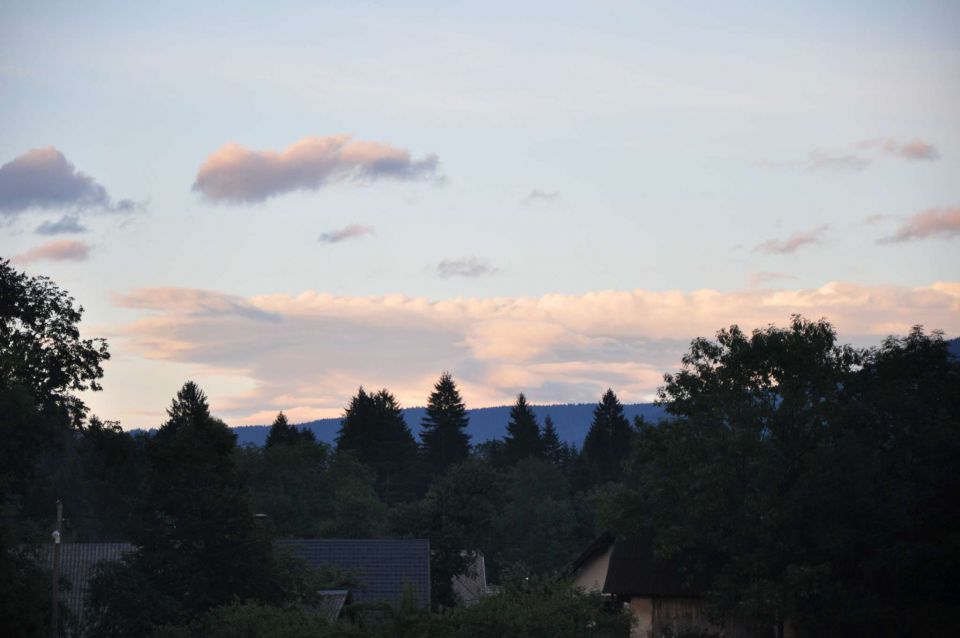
pixel 307 354
pixel 546 205
pixel 236 174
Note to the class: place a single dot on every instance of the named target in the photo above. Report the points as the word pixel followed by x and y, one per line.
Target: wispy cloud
pixel 821 160
pixel 56 250
pixel 761 278
pixel 555 347
pixel 936 222
pixel 855 158
pixel 43 178
pixel 239 175
pixel 536 195
pixel 465 267
pixel 793 242
pixel 194 303
pixel 66 225
pixel 915 149
pixel 350 231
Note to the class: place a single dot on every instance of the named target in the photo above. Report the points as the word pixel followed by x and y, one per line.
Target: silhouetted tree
pixel 198 544
pixel 523 433
pixel 553 449
pixel 281 432
pixel 374 430
pixel 443 431
pixel 607 442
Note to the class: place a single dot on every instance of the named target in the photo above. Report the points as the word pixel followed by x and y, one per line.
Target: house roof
pixel 633 570
pixel 384 566
pixel 330 603
pixel 78 563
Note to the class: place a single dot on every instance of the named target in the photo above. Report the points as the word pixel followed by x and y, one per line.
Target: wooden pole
pixel 55 610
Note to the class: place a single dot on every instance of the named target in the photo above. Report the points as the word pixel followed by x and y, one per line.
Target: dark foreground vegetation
pixel 799 481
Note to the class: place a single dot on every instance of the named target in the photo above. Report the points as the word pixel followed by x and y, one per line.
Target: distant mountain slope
pixel 571 420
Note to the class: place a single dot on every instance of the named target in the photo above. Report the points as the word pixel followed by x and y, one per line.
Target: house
pixel 78 565
pixel 658 596
pixel 470 586
pixel 384 567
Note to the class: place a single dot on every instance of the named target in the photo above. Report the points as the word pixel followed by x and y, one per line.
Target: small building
pixel 78 565
pixel 385 568
pixel 655 591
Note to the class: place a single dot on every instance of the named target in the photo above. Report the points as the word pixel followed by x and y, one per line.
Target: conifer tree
pixel 373 429
pixel 607 442
pixel 198 543
pixel 523 433
pixel 443 431
pixel 552 447
pixel 281 432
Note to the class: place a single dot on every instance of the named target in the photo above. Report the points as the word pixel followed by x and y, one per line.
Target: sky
pixel 286 201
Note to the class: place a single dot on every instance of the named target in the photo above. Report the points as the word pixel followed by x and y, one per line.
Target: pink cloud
pixel 935 222
pixel 56 250
pixel 319 348
pixel 793 242
pixel 915 149
pixel 236 174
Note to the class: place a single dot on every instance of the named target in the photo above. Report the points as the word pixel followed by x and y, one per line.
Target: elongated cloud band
pixel 239 175
pixel 793 242
pixel 936 222
pixel 350 231
pixel 307 354
pixel 56 250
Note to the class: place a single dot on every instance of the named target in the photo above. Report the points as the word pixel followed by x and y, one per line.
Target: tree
pixel 459 514
pixel 281 432
pixel 43 363
pixel 805 480
pixel 553 449
pixel 523 433
pixel 374 430
pixel 443 431
pixel 607 442
pixel 198 543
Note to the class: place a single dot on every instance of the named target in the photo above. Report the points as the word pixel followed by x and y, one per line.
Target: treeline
pixel 796 482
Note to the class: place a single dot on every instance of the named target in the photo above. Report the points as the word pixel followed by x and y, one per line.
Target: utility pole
pixel 55 610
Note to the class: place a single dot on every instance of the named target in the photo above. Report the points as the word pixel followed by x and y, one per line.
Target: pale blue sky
pixel 678 137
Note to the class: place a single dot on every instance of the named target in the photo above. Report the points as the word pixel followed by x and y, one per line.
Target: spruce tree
pixel 607 442
pixel 523 433
pixel 552 447
pixel 373 429
pixel 281 432
pixel 443 431
pixel 199 546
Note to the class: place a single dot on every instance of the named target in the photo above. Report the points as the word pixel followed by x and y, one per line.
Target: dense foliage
pixel 799 481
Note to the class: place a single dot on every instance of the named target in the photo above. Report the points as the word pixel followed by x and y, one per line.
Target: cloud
pixel 793 242
pixel 194 303
pixel 238 175
pixel 824 160
pixel 465 267
pixel 56 250
pixel 66 225
pixel 350 231
pixel 319 348
pixel 43 178
pixel 935 222
pixel 820 160
pixel 535 196
pixel 760 278
pixel 915 149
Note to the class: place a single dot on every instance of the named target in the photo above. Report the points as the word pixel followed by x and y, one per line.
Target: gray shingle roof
pixel 78 562
pixel 384 566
